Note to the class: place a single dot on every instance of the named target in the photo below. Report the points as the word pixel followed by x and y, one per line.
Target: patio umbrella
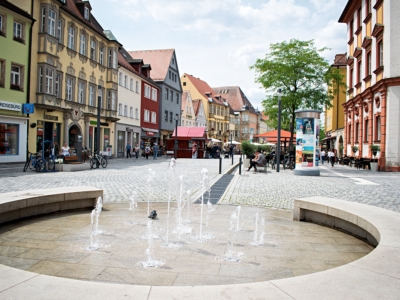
pixel 216 141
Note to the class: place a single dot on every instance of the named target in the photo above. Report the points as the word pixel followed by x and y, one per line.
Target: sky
pixel 218 40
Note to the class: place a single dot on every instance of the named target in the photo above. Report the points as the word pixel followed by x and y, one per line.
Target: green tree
pixel 304 77
pixel 321 134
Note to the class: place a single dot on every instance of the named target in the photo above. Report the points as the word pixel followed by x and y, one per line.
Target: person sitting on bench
pixel 258 161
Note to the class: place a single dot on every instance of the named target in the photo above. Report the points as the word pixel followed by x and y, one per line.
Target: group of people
pixel 215 150
pixel 330 156
pixel 148 150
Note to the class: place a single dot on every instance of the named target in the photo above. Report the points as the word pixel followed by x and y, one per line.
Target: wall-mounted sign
pixel 150 133
pixel 10 106
pixel 28 108
pixel 48 117
pixel 101 123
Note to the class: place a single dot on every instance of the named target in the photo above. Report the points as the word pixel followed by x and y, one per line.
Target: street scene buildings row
pixel 57 62
pixel 370 113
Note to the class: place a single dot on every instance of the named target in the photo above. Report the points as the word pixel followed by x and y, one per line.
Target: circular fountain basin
pixel 56 245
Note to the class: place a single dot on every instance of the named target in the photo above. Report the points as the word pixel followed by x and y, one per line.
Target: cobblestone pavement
pixel 118 180
pixel 278 190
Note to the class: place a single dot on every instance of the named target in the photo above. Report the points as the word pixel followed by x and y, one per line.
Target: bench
pixel 263 165
pixel 71 159
pixel 17 205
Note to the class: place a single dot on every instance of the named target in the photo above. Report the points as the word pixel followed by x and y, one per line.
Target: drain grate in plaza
pixel 218 189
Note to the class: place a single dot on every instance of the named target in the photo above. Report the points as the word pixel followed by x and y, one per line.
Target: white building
pixel 188 117
pixel 127 129
pixel 199 113
pixel 372 109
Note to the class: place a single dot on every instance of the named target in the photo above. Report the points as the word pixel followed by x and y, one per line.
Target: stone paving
pixel 119 179
pixel 278 190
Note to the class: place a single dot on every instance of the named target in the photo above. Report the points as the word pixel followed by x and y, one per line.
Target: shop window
pixel 9 137
pixel 121 141
pixel 106 138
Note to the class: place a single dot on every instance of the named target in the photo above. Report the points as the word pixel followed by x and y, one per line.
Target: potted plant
pixel 354 149
pixel 374 149
pixel 248 149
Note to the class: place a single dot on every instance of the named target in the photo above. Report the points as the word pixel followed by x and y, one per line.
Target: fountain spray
pixel 171 170
pixel 133 206
pixel 98 209
pixel 93 246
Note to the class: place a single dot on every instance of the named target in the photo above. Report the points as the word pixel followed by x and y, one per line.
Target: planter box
pixel 374 166
pixel 59 167
pixel 246 163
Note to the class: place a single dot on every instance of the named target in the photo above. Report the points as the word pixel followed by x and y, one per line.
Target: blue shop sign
pixel 28 108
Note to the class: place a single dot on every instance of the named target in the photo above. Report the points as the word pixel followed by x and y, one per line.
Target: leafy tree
pixel 304 76
pixel 321 134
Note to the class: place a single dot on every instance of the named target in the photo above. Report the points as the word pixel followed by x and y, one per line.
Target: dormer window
pixel 86 13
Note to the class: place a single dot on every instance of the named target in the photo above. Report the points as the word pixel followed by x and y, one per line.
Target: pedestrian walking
pixel 322 156
pixel 128 150
pixel 155 151
pixel 331 157
pixel 147 151
pixel 137 149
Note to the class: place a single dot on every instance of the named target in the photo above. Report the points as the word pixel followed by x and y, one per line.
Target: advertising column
pixel 307 142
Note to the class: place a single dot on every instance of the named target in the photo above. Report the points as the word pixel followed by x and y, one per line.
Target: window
pixel 378 129
pixel 171 93
pixel 49 81
pixel 366 131
pixel 153 117
pixel 136 113
pixel 351 28
pixel 101 97
pixel 166 116
pixel 359 17
pixel 120 109
pixel 59 31
pixel 101 59
pixel 125 110
pixel 187 109
pixel 368 10
pixel 176 77
pixel 131 85
pixel 109 58
pixel 68 90
pixel 9 133
pixel 43 19
pixel 115 66
pixel 356 134
pixel 108 100
pixel 177 117
pixel 154 94
pixel 380 54
pixel 71 38
pixel 81 92
pixel 218 110
pixel 86 13
pixel 17 30
pixel 349 141
pixel 126 82
pixel 92 50
pixel 15 76
pixel 57 86
pixel 187 123
pixel 368 66
pixel 114 100
pixel 359 71
pixel 166 93
pixel 91 95
pixel 40 79
pixel 51 28
pixel 82 48
pixel 147 91
pixel 177 98
pixel 2 25
pixel 170 117
pixel 131 112
pixel 169 74
pixel 120 78
pixel 351 78
pixel 146 115
pixel 184 84
pixel 137 86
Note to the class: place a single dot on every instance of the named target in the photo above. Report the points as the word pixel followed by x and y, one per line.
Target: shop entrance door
pixel 74 131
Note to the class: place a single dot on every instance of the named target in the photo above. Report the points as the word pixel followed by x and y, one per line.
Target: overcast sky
pixel 217 40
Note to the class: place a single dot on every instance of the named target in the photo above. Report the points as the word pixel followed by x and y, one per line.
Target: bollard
pixel 240 165
pixel 220 165
pixel 232 157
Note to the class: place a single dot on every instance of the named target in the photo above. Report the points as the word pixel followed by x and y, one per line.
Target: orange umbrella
pixel 274 134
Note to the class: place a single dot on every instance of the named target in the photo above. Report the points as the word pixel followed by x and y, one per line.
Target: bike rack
pixel 51 156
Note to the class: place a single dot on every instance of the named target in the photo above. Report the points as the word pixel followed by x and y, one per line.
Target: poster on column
pixel 299 141
pixel 308 150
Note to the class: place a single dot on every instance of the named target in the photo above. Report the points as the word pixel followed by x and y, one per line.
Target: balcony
pixel 211 115
pixel 226 119
pixel 245 123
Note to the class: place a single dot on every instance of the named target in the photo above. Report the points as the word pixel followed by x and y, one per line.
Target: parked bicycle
pixel 34 162
pixel 98 158
pixel 288 163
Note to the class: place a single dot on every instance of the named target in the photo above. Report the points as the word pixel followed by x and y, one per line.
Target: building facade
pixel 165 73
pixel 200 113
pixel 334 116
pixel 74 61
pixel 372 110
pixel 187 116
pixel 217 112
pixel 127 129
pixel 15 41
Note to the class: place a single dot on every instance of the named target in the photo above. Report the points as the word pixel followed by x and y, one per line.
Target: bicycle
pixel 273 163
pixel 34 163
pixel 98 158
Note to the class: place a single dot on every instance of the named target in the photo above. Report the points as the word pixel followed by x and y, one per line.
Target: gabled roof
pixel 340 60
pixel 159 60
pixel 235 97
pixel 123 60
pixel 196 107
pixel 203 88
pixel 15 9
pixel 185 96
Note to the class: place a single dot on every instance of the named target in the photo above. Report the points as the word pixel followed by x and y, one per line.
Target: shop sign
pixel 10 106
pixel 48 117
pixel 150 133
pixel 28 108
pixel 101 123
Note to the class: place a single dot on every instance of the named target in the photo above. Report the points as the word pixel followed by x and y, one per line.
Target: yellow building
pixel 334 116
pixel 73 62
pixel 218 110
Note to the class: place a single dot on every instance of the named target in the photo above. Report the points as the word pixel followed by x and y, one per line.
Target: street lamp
pixel 278 150
pixel 176 137
pixel 231 149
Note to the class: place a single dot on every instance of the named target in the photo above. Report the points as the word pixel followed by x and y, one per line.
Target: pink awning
pixel 191 132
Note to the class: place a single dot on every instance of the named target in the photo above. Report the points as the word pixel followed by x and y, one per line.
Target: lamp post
pixel 176 137
pixel 231 149
pixel 98 124
pixel 278 150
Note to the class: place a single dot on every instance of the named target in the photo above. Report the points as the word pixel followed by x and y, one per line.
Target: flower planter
pixel 246 163
pixel 374 166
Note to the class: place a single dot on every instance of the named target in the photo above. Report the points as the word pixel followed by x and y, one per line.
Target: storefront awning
pixel 191 132
pixel 329 138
